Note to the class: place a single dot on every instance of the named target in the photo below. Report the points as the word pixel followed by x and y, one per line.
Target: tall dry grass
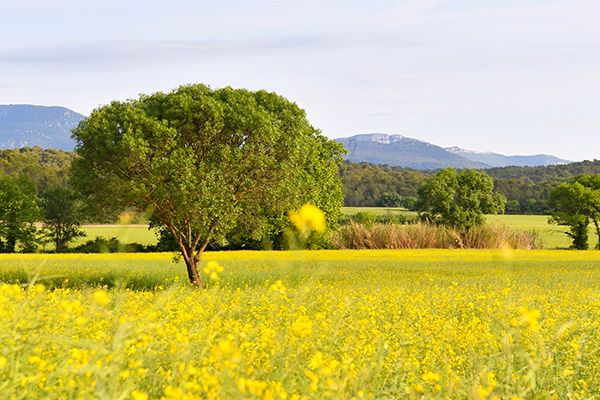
pixel 425 236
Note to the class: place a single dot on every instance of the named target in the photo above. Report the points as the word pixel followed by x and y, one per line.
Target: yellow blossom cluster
pixel 307 325
pixel 212 269
pixel 308 219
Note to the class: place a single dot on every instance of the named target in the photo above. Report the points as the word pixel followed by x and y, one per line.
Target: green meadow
pixel 551 236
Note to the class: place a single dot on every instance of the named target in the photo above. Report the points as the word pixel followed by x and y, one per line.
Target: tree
pixel 459 199
pixel 570 204
pixel 390 199
pixel 513 206
pixel 575 205
pixel 207 162
pixel 592 182
pixel 61 217
pixel 18 213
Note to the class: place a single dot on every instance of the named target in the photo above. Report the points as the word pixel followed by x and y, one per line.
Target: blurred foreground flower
pixel 308 218
pixel 212 269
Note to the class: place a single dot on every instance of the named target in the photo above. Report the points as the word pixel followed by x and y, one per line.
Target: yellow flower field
pixel 302 325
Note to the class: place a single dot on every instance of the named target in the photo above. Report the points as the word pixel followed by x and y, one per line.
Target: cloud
pixel 132 53
pixel 127 53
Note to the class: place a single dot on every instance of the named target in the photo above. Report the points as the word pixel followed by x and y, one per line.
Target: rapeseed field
pixel 302 325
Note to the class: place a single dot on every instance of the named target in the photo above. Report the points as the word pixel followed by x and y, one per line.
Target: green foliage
pixel 459 199
pixel 365 184
pixel 390 199
pixel 112 245
pixel 18 213
pixel 575 205
pixel 61 216
pixel 513 207
pixel 207 162
pixel 46 168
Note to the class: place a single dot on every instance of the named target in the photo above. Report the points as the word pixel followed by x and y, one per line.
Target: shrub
pixel 422 236
pixel 112 245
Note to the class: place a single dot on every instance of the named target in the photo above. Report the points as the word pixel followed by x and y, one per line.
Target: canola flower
pixel 308 219
pixel 213 270
pixel 310 325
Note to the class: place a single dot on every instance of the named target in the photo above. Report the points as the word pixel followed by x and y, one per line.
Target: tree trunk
pixel 191 263
pixel 597 233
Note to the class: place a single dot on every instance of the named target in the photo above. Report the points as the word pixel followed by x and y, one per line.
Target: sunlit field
pixel 551 236
pixel 125 233
pixel 302 325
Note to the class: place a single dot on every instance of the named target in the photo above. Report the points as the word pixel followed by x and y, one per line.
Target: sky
pixel 509 76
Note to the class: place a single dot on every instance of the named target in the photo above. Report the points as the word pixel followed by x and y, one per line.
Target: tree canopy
pixel 18 213
pixel 459 199
pixel 575 205
pixel 207 162
pixel 61 217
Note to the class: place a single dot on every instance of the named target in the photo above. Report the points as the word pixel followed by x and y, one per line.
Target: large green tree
pixel 206 162
pixel 459 199
pixel 18 213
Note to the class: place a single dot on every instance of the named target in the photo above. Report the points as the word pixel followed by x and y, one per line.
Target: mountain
pixel 24 125
pixel 401 151
pixel 500 160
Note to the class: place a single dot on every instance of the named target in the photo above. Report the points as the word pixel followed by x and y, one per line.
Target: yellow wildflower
pixel 302 327
pixel 308 218
pixel 212 269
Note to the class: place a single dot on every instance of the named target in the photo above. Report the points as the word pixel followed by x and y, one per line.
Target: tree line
pixel 160 156
pixel 527 189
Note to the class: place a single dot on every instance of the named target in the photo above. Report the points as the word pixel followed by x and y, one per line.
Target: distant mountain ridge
pixel 25 125
pixel 402 151
pixel 501 160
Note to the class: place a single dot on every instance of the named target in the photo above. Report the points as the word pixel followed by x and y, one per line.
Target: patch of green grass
pixel 125 233
pixel 551 236
pixel 147 270
pixel 377 210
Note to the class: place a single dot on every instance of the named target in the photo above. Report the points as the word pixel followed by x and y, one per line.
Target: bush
pixel 369 219
pixel 112 245
pixel 424 236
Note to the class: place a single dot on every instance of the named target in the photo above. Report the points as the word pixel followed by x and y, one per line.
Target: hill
pixel 501 160
pixel 405 152
pixel 24 125
pixel 401 151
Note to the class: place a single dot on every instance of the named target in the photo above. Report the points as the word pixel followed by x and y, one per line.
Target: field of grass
pixel 125 233
pixel 551 236
pixel 303 325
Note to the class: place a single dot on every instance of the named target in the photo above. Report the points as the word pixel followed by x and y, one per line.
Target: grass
pixel 377 210
pixel 375 324
pixel 551 236
pixel 125 233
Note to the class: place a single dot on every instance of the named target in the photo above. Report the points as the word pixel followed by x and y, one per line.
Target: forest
pixel 526 189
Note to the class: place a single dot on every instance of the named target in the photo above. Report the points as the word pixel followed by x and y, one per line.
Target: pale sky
pixel 512 76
